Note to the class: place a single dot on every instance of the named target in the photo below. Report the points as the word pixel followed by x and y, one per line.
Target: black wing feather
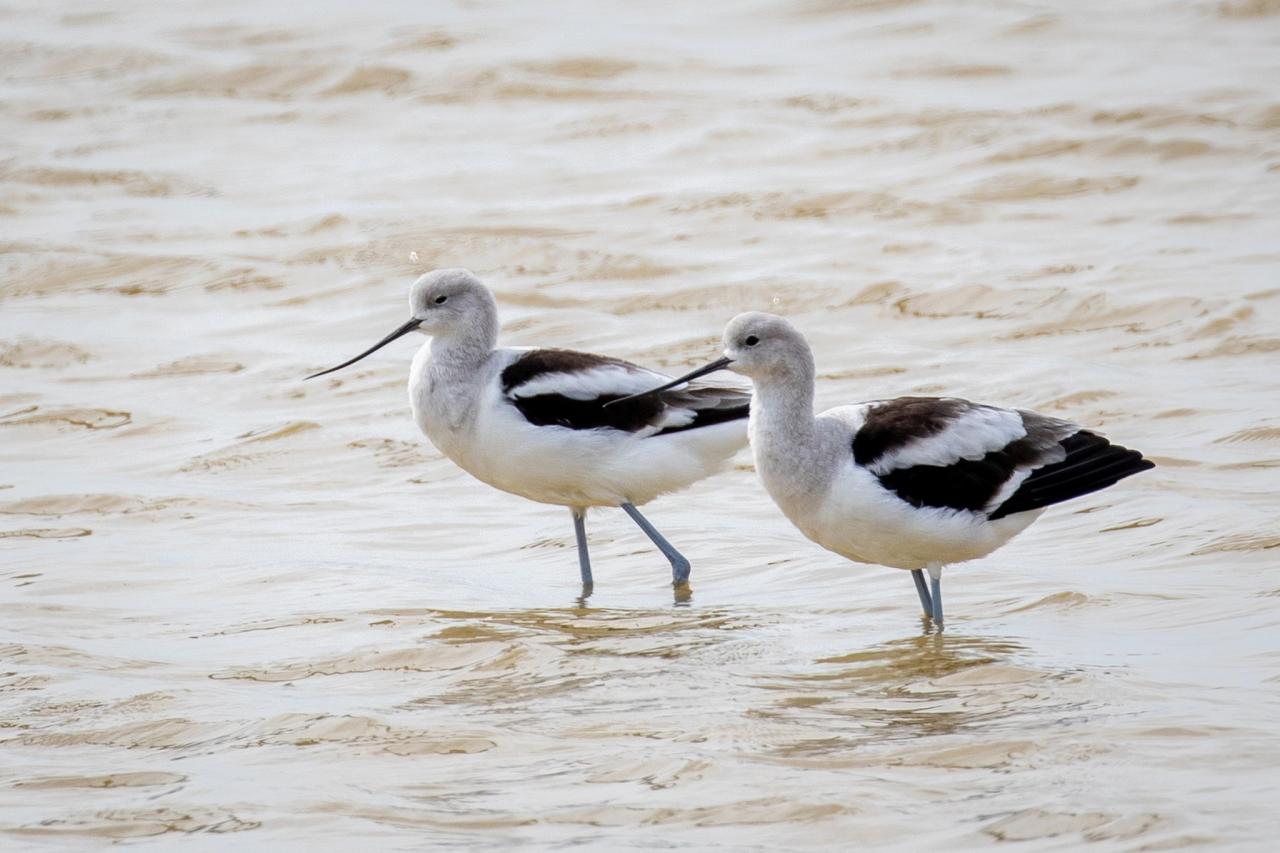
pixel 711 405
pixel 895 423
pixel 1092 463
pixel 1065 461
pixel 557 410
pixel 964 484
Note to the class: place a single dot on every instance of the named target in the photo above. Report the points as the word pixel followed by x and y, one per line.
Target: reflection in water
pixel 571 626
pixel 682 595
pixel 933 685
pixel 928 656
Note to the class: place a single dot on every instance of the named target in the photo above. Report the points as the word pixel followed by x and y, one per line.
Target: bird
pixel 531 421
pixel 916 483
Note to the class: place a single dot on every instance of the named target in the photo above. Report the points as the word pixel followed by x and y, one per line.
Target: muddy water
pixel 237 603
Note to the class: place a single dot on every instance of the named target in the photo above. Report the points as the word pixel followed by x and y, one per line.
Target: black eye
pixel 751 340
pixel 440 300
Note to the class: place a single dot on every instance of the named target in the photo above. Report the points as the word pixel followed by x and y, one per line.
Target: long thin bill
pixel 398 333
pixel 718 364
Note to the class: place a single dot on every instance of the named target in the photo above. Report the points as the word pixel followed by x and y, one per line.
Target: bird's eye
pixel 440 300
pixel 751 340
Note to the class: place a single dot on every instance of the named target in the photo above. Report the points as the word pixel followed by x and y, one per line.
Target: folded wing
pixel 565 388
pixel 950 453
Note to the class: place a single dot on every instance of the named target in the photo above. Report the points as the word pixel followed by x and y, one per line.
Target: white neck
pixel 445 386
pixel 784 437
pixel 784 405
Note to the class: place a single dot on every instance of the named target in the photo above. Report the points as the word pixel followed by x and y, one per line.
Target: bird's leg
pixel 584 559
pixel 679 565
pixel 935 574
pixel 922 590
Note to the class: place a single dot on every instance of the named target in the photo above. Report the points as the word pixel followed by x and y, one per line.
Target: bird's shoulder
pixel 569 388
pixel 572 374
pixel 950 452
pixel 905 432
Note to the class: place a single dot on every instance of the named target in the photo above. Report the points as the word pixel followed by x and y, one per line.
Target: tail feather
pixel 1092 463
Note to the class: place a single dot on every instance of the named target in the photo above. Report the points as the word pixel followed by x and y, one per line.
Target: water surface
pixel 240 603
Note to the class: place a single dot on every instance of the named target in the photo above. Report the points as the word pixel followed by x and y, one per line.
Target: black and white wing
pixel 947 452
pixel 564 388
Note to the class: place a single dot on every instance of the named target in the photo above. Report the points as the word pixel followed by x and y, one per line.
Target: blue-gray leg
pixel 679 565
pixel 584 559
pixel 935 574
pixel 922 589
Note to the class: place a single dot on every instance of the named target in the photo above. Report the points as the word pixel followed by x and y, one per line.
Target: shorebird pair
pixel 913 483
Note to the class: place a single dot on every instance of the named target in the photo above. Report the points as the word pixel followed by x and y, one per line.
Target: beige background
pixel 232 601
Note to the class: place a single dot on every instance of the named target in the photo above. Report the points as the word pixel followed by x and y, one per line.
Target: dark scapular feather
pixel 964 484
pixel 709 405
pixel 892 424
pixel 1066 462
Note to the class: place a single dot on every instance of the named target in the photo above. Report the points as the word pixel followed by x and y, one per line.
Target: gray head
pixel 765 346
pixel 448 301
pixel 444 303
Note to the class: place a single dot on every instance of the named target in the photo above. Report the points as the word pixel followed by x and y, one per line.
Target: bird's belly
pixel 577 468
pixel 862 521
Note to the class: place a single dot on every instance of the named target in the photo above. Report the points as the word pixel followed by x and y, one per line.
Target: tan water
pixel 234 602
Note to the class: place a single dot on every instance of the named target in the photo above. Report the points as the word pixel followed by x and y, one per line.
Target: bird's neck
pixel 446 383
pixel 785 440
pixel 468 347
pixel 782 408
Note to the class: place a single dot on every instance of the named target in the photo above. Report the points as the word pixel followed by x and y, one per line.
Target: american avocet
pixel 530 421
pixel 913 483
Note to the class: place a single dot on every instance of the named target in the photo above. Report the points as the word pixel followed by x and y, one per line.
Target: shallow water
pixel 238 603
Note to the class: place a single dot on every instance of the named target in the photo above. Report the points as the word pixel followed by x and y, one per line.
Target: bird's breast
pixel 441 409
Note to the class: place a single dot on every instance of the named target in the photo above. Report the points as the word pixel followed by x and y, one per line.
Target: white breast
pixel 847 510
pixel 470 419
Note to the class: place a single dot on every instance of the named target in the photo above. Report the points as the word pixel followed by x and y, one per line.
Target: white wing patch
pixel 1011 485
pixel 973 435
pixel 562 388
pixel 603 381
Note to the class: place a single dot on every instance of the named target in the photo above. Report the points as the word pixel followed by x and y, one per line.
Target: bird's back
pixel 940 479
pixel 541 428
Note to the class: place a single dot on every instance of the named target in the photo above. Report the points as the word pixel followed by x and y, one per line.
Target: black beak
pixel 398 333
pixel 718 364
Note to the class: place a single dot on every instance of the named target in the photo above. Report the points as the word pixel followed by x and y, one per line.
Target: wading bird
pixel 531 421
pixel 913 483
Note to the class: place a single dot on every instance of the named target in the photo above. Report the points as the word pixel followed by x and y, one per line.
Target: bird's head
pixel 764 346
pixel 442 303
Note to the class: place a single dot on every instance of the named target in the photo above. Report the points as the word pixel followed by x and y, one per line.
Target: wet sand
pixel 240 603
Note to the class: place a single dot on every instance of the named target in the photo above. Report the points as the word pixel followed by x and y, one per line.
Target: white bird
pixel 532 422
pixel 913 483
